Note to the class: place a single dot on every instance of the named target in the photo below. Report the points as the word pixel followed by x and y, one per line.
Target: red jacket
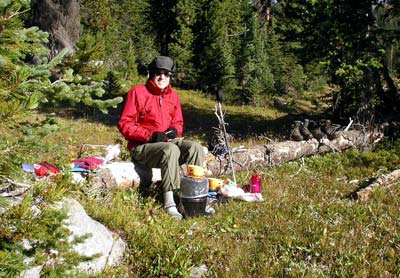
pixel 146 110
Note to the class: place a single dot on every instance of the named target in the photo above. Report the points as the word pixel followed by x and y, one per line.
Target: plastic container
pixel 196 171
pixel 214 184
pixel 193 206
pixel 193 187
pixel 255 183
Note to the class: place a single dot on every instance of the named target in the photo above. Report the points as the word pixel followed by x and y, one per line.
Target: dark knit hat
pixel 162 62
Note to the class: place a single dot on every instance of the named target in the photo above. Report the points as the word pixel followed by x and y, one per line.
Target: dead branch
pixel 13 188
pixel 384 180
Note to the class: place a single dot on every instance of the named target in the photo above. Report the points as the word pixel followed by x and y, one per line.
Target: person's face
pixel 161 78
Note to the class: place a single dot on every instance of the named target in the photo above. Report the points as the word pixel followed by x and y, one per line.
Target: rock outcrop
pixel 108 247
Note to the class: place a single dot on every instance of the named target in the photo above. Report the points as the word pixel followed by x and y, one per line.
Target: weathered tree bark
pixel 264 9
pixel 383 180
pixel 126 174
pixel 60 18
pixel 246 158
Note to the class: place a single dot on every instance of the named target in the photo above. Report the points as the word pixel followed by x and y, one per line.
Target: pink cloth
pixel 90 162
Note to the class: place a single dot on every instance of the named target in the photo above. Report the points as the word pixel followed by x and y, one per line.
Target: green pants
pixel 168 156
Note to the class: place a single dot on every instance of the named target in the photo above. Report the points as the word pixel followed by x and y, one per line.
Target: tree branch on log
pixel 385 180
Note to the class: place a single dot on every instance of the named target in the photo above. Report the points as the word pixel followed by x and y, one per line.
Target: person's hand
pixel 171 132
pixel 158 137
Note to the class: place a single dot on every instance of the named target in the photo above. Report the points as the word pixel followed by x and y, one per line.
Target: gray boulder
pixel 108 246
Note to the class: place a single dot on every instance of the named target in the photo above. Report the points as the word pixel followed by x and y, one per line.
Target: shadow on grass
pixel 200 123
pixel 354 194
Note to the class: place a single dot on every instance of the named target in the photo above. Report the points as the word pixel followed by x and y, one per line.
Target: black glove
pixel 171 132
pixel 158 137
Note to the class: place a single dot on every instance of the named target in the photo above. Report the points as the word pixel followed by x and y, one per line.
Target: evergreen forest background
pixel 91 51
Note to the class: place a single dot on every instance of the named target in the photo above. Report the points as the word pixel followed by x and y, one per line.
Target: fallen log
pixel 384 180
pixel 246 158
pixel 127 174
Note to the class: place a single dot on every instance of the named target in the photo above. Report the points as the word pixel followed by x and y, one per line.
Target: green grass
pixel 307 225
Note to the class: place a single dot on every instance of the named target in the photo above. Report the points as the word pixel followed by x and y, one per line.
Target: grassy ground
pixel 307 226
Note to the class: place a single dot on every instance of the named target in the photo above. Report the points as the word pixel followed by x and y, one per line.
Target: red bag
pixel 45 169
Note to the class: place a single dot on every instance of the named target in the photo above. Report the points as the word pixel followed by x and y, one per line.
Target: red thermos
pixel 255 183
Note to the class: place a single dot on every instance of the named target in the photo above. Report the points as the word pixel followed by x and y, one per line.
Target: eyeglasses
pixel 165 72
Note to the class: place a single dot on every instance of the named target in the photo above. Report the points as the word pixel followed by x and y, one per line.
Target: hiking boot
pixel 295 134
pixel 304 130
pixel 315 130
pixel 326 127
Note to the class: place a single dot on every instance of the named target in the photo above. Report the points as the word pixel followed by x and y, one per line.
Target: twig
pixel 95 145
pixel 8 149
pixel 349 125
pixel 8 191
pixel 327 143
pixel 84 146
pixel 17 13
pixel 298 171
pixel 7 180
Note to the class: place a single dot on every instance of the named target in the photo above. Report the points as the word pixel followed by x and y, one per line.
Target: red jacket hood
pixel 153 88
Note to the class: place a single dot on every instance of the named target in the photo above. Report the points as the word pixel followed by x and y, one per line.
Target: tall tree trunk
pixel 389 81
pixel 264 9
pixel 60 18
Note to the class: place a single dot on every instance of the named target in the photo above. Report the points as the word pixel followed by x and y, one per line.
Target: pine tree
pixel 60 19
pixel 122 33
pixel 28 79
pixel 181 47
pixel 33 232
pixel 161 16
pixel 283 47
pixel 138 33
pixel 215 46
pixel 254 72
pixel 354 57
pixel 18 86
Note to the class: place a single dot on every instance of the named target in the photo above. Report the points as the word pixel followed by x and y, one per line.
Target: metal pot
pixel 193 187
